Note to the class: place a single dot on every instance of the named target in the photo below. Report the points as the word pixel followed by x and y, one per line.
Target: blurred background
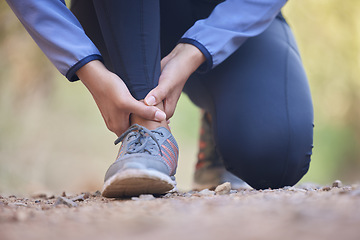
pixel 52 136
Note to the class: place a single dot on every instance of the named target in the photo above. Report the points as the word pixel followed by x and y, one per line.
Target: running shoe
pixel 210 170
pixel 146 163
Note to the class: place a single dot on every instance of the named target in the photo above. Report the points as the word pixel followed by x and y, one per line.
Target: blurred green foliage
pixel 52 135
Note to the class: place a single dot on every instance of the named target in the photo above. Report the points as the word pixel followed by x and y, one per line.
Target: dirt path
pixel 292 213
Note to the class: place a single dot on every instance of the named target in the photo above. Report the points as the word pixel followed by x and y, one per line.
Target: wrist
pixel 91 70
pixel 192 54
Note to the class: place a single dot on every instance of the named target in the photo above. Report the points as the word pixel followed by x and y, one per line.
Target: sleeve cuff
pixel 71 76
pixel 208 64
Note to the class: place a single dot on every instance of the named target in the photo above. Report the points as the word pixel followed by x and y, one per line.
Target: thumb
pixel 148 112
pixel 164 61
pixel 155 96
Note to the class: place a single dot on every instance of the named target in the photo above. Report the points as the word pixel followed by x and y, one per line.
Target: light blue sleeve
pixel 57 32
pixel 228 26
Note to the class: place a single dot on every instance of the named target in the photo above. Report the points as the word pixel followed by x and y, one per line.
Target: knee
pixel 268 171
pixel 267 163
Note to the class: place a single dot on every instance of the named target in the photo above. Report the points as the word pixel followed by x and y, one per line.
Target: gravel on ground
pixel 304 212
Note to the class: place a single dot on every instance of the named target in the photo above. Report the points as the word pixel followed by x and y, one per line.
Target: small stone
pixel 1 197
pixel 20 204
pixel 309 186
pixel 326 188
pixel 270 190
pixel 65 201
pixel 206 192
pixel 40 195
pixel 168 195
pixel 288 188
pixel 187 194
pixel 294 189
pixel 78 198
pixel 86 195
pixel 51 197
pixel 63 194
pixel 97 194
pixel 232 191
pixel 337 184
pixel 146 197
pixel 223 189
pixel 143 197
pixel 12 196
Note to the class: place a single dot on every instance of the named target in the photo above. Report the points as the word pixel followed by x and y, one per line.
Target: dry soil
pixel 307 212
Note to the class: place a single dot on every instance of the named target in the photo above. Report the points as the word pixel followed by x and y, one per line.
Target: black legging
pixel 259 97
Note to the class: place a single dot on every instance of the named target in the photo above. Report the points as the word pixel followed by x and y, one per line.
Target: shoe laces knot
pixel 140 140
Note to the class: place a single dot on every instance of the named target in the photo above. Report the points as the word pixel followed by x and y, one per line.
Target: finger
pixel 164 61
pixel 148 112
pixel 169 109
pixel 156 96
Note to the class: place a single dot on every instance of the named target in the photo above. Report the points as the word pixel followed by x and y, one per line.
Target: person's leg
pixel 127 34
pixel 131 31
pixel 84 11
pixel 261 106
pixel 130 35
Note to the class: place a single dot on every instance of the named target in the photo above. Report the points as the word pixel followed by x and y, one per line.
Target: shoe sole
pixel 134 182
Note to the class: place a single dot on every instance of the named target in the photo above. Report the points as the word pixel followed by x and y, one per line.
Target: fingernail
pixel 160 116
pixel 150 101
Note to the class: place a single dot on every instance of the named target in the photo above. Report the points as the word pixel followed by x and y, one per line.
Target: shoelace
pixel 140 140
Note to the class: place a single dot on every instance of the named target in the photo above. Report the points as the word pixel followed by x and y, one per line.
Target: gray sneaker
pixel 146 163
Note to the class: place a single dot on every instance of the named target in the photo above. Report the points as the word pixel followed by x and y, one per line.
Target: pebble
pixel 1 197
pixel 86 195
pixel 168 195
pixel 326 188
pixel 40 195
pixel 97 194
pixel 309 186
pixel 65 201
pixel 143 197
pixel 20 204
pixel 337 184
pixel 223 189
pixel 78 198
pixel 206 192
pixel 187 194
pixel 294 189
